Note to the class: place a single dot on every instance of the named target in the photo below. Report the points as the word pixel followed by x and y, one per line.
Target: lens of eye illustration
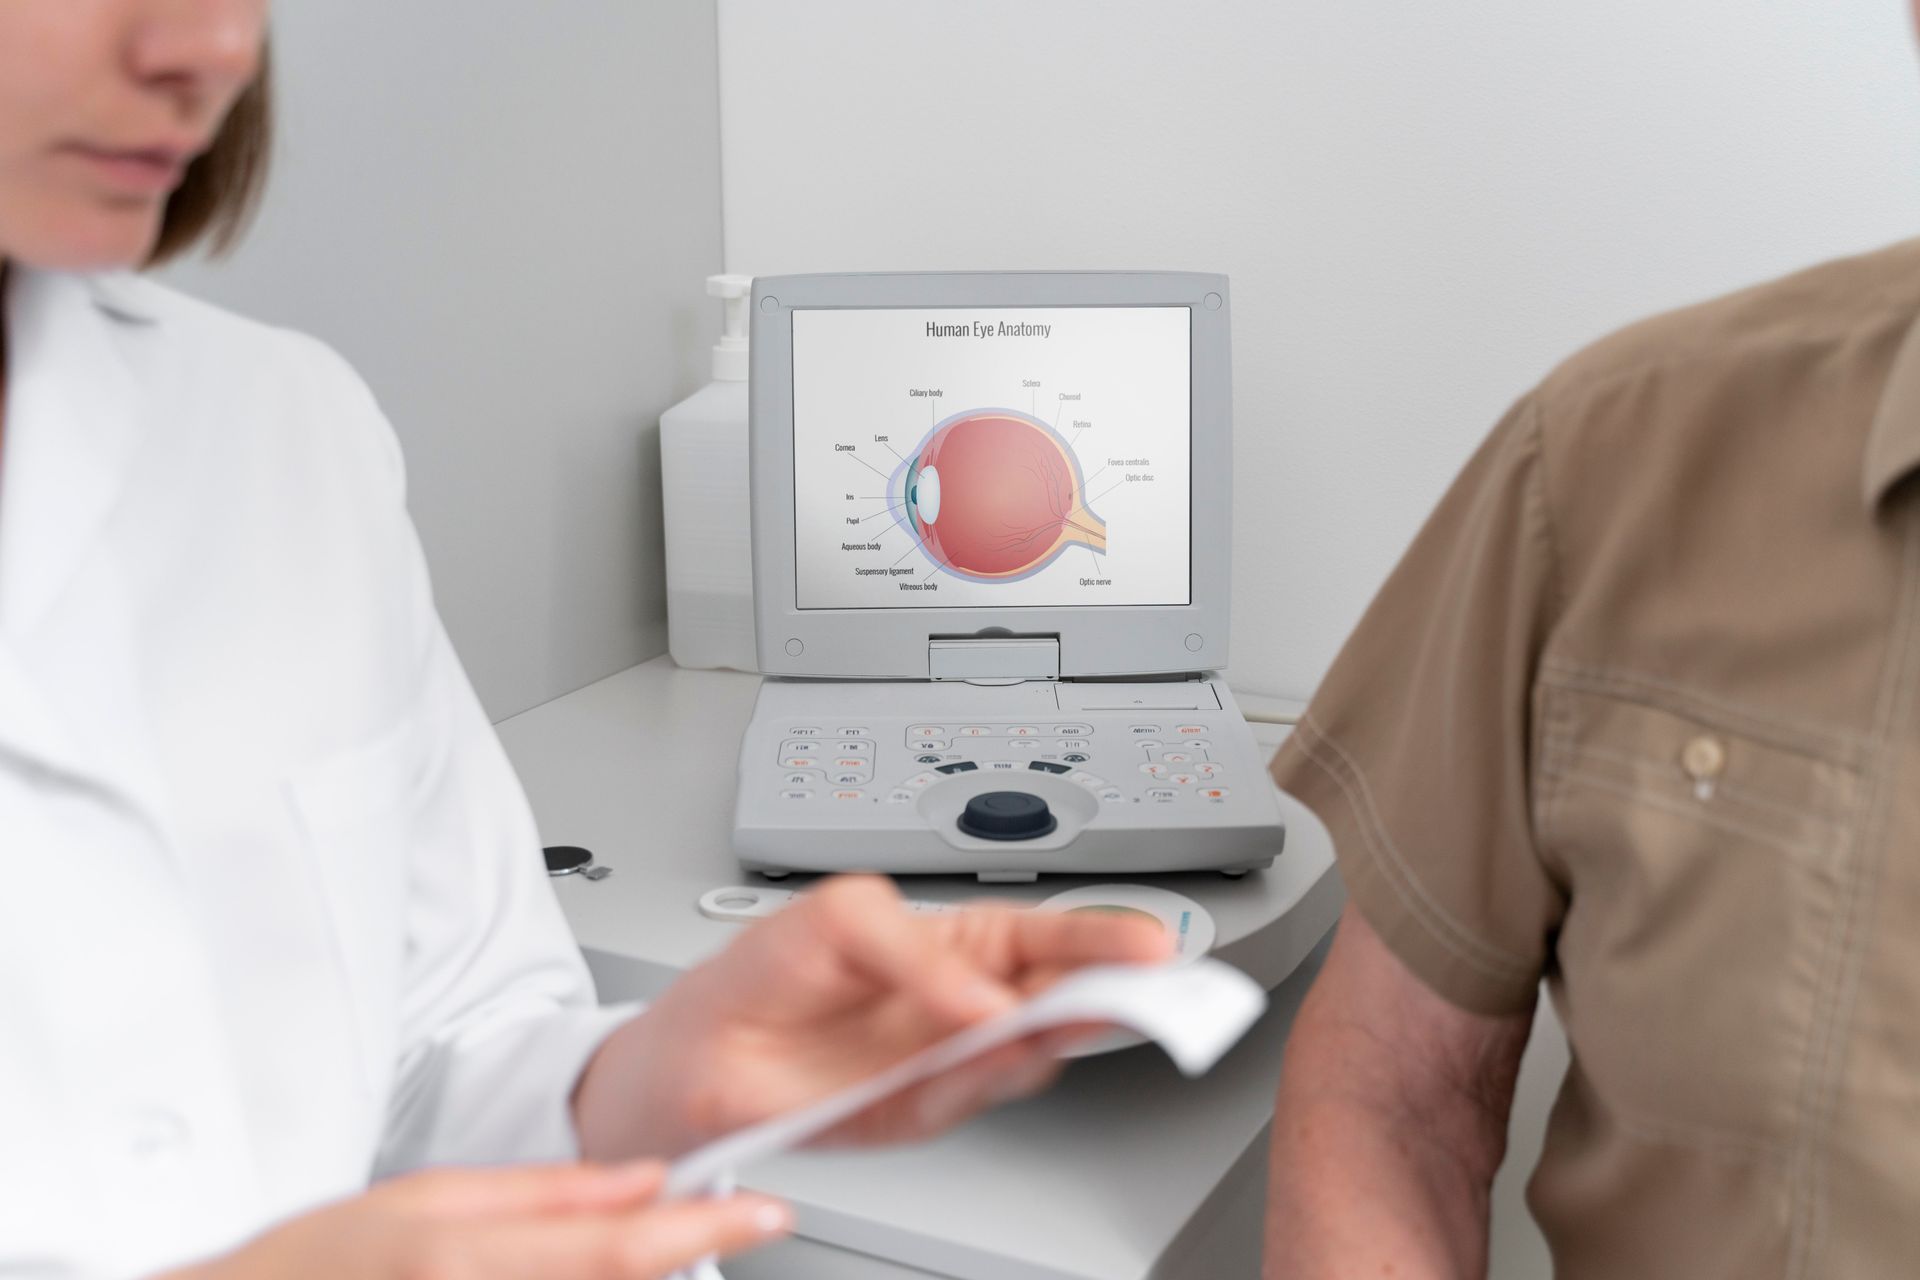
pixel 994 494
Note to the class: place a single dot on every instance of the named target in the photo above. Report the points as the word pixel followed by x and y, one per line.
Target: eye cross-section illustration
pixel 995 495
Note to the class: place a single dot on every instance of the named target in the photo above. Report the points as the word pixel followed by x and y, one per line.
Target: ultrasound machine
pixel 991 529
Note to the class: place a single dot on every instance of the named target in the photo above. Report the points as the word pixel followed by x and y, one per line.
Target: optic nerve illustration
pixel 993 494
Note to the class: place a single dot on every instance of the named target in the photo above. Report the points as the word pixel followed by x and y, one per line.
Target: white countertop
pixel 1121 1173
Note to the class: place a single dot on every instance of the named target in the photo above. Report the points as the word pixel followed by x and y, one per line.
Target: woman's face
pixel 102 105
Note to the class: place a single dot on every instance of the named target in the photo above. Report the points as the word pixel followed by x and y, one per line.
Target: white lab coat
pixel 273 919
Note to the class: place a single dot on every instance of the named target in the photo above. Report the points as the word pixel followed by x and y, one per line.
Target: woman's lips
pixel 147 171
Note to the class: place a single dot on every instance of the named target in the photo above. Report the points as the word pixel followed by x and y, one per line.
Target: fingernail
pixel 773 1220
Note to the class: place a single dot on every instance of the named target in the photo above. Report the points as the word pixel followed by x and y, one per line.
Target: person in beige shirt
pixel 1638 715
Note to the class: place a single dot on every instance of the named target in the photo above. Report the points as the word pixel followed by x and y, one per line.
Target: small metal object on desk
pixel 568 859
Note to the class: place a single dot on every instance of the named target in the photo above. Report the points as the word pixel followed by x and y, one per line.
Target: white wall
pixel 503 215
pixel 1422 206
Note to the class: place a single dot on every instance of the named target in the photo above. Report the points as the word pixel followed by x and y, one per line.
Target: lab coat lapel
pixel 72 430
pixel 30 731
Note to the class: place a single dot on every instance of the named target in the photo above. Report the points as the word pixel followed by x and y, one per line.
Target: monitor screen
pixel 992 457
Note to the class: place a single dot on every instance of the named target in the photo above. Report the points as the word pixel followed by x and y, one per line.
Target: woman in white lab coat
pixel 273 923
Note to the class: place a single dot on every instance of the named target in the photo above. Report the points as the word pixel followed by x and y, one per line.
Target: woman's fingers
pixel 970 965
pixel 1072 939
pixel 1006 1075
pixel 932 1107
pixel 647 1244
pixel 959 968
pixel 526 1190
pixel 864 922
pixel 658 1242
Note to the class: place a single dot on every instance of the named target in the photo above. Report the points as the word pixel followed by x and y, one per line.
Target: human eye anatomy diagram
pixel 995 494
pixel 1011 457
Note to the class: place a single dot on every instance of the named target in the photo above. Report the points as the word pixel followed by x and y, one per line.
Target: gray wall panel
pixel 502 214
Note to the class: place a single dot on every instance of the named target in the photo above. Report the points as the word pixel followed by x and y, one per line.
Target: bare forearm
pixel 1390 1124
pixel 1356 1192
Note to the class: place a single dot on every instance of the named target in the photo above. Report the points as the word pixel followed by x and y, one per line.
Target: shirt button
pixel 1704 758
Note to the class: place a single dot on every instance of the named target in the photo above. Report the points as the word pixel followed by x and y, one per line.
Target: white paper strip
pixel 1196 1012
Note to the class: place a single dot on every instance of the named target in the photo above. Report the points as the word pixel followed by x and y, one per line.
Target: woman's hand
pixel 836 988
pixel 559 1222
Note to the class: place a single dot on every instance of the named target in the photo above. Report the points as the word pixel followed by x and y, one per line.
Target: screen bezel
pixel 1095 639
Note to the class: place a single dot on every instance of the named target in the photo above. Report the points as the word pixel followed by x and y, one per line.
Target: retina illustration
pixel 993 495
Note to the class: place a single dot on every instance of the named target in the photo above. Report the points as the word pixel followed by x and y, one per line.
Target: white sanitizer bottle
pixel 703 471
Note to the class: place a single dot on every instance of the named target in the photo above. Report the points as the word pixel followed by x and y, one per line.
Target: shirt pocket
pixel 1703 868
pixel 357 812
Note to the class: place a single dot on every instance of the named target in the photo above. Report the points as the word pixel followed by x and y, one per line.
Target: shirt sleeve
pixel 1416 751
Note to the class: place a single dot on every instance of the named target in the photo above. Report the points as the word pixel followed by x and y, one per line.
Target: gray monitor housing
pixel 990 642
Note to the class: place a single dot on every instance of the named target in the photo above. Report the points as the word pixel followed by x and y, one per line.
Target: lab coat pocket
pixel 357 809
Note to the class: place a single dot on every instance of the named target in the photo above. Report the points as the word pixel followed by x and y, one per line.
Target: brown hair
pixel 216 199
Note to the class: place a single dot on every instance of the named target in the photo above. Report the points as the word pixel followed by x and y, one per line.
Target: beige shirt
pixel 1639 713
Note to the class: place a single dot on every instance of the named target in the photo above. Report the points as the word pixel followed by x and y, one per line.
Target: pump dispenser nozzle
pixel 730 353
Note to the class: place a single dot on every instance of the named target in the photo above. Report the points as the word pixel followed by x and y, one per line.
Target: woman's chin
pixel 89 239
